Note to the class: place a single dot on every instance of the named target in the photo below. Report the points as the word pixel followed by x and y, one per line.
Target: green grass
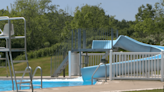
pixel 155 90
pixel 43 62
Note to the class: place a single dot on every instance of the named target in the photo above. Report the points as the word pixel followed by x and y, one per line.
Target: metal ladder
pixel 38 67
pixel 4 66
pixel 8 50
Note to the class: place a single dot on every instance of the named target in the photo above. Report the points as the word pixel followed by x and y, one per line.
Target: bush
pixel 44 51
pixel 46 44
pixel 162 43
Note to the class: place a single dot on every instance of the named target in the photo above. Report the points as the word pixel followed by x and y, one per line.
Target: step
pixel 22 71
pixel 17 37
pixel 13 49
pixel 17 49
pixel 37 85
pixel 4 49
pixel 19 61
pixel 25 85
pixel 2 66
pixel 14 37
pixel 23 82
pixel 28 85
pixel 101 78
pixel 2 58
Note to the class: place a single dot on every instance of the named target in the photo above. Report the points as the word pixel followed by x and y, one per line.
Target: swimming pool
pixel 6 85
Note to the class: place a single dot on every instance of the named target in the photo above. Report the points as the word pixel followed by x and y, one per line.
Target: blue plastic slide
pixel 126 43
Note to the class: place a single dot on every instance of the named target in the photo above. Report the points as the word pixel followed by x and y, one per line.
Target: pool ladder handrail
pixel 38 67
pixel 24 74
pixel 102 63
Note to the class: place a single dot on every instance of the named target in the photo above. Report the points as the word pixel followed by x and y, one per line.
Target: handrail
pixel 24 74
pixel 96 71
pixel 38 67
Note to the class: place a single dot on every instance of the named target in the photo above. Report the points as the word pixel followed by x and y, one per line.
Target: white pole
pixel 69 62
pixel 162 66
pixel 110 61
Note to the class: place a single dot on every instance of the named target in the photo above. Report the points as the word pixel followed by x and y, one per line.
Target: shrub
pixel 47 51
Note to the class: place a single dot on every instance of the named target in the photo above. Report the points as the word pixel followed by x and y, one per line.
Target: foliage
pixel 49 27
pixel 149 21
pixel 89 17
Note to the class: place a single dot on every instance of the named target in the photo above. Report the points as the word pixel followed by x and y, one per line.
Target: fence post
pixel 80 63
pixel 84 39
pixel 72 41
pixel 111 38
pixel 79 39
pixel 110 70
pixel 116 33
pixel 69 63
pixel 51 67
pixel 162 66
pixel 63 59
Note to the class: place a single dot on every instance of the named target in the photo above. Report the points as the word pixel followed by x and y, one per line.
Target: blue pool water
pixel 6 85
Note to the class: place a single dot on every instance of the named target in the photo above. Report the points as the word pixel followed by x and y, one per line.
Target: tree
pixel 147 23
pixel 89 17
pixel 44 22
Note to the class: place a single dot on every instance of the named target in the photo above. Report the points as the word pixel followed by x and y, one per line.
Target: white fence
pixel 127 65
pixel 136 65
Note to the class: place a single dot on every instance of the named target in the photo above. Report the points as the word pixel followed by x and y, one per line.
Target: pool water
pixel 6 85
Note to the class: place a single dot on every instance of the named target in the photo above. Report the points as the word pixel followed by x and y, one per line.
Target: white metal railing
pixel 27 68
pixel 136 65
pixel 38 67
pixel 96 71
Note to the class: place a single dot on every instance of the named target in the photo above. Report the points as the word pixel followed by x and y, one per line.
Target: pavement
pixel 109 86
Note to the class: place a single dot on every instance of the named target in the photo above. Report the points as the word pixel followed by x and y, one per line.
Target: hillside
pixel 44 62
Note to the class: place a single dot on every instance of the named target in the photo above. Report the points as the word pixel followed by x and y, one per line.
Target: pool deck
pixel 109 86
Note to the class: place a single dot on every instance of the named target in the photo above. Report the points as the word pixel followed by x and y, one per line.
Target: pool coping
pixel 101 86
pixel 109 86
pixel 38 77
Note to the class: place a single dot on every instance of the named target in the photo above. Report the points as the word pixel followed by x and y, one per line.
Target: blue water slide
pixel 128 44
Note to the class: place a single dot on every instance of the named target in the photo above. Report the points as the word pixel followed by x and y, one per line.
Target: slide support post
pixel 69 62
pixel 162 65
pixel 110 61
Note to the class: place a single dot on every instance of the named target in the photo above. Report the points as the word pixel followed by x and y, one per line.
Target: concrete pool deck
pixel 109 86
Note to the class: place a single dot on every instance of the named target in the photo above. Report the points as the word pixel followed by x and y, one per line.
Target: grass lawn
pixel 43 62
pixel 155 90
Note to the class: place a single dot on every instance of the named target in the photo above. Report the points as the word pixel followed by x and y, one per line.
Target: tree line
pixel 48 25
